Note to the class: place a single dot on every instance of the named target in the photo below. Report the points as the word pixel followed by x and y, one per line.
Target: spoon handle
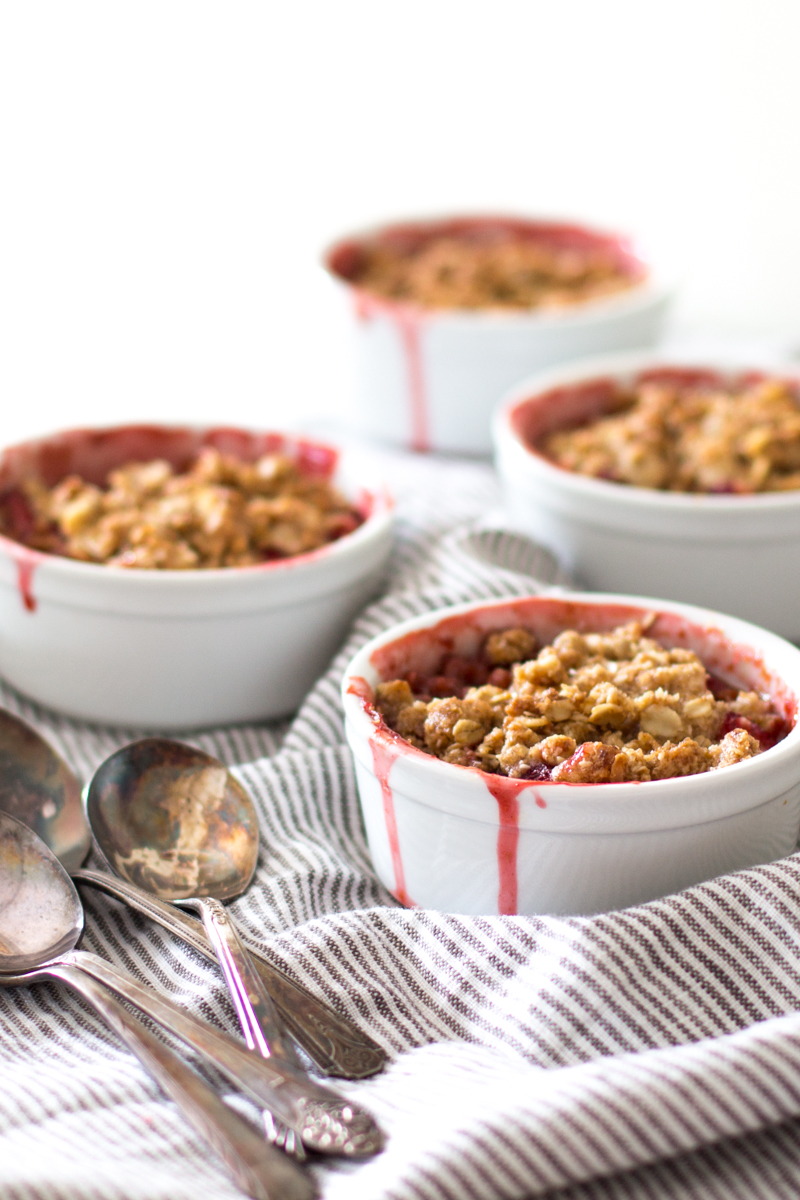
pixel 331 1123
pixel 256 1012
pixel 336 1045
pixel 320 1119
pixel 263 1080
pixel 259 1170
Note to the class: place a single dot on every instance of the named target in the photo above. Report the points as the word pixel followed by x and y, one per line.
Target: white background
pixel 170 172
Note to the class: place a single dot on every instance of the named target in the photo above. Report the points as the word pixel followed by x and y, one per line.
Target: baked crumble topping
pixel 490 268
pixel 699 437
pixel 590 708
pixel 222 512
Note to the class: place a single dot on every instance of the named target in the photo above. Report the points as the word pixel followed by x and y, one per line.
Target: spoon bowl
pixel 40 911
pixel 41 921
pixel 38 788
pixel 171 820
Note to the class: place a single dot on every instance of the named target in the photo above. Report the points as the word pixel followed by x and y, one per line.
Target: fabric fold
pixel 653 1052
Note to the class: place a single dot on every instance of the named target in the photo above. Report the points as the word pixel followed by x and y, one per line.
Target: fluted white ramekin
pixel 428 379
pixel 739 554
pixel 180 649
pixel 457 839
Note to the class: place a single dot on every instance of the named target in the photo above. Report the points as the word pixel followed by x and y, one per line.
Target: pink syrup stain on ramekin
pixel 506 792
pixel 383 756
pixel 507 842
pixel 25 569
pixel 387 746
pixel 26 562
pixel 409 322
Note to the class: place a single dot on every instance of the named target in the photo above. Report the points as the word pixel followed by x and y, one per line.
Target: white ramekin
pixel 457 839
pixel 739 554
pixel 428 379
pixel 180 649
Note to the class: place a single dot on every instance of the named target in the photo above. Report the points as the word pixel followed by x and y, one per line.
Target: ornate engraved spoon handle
pixel 257 1016
pixel 320 1119
pixel 336 1045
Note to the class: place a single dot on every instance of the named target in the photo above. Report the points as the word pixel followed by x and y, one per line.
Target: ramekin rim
pixel 372 526
pixel 659 283
pixel 583 371
pixel 423 763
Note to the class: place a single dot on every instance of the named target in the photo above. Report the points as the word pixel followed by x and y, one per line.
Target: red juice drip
pixel 410 329
pixel 24 580
pixel 363 306
pixel 26 563
pixel 409 326
pixel 506 793
pixel 383 756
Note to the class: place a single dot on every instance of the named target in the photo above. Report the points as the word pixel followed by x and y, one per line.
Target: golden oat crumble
pixel 691 438
pixel 590 708
pixel 502 271
pixel 222 512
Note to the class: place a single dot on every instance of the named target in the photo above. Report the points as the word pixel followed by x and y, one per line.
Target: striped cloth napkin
pixel 648 1053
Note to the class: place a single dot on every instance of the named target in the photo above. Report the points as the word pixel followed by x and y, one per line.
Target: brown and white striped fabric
pixel 648 1053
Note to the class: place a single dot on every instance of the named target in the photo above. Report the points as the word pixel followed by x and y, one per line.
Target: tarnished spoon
pixel 34 781
pixel 38 788
pixel 41 921
pixel 267 1082
pixel 172 821
pixel 322 1120
pixel 297 1104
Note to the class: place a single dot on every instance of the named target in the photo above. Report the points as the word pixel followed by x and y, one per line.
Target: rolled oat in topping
pixel 222 512
pixel 691 437
pixel 590 708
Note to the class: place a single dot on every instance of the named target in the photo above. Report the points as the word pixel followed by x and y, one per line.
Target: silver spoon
pixel 175 823
pixel 319 1118
pixel 38 788
pixel 33 778
pixel 34 781
pixel 41 921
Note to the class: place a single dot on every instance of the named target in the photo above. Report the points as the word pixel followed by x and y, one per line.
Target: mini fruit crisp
pixel 222 512
pixel 590 708
pixel 489 265
pixel 691 437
